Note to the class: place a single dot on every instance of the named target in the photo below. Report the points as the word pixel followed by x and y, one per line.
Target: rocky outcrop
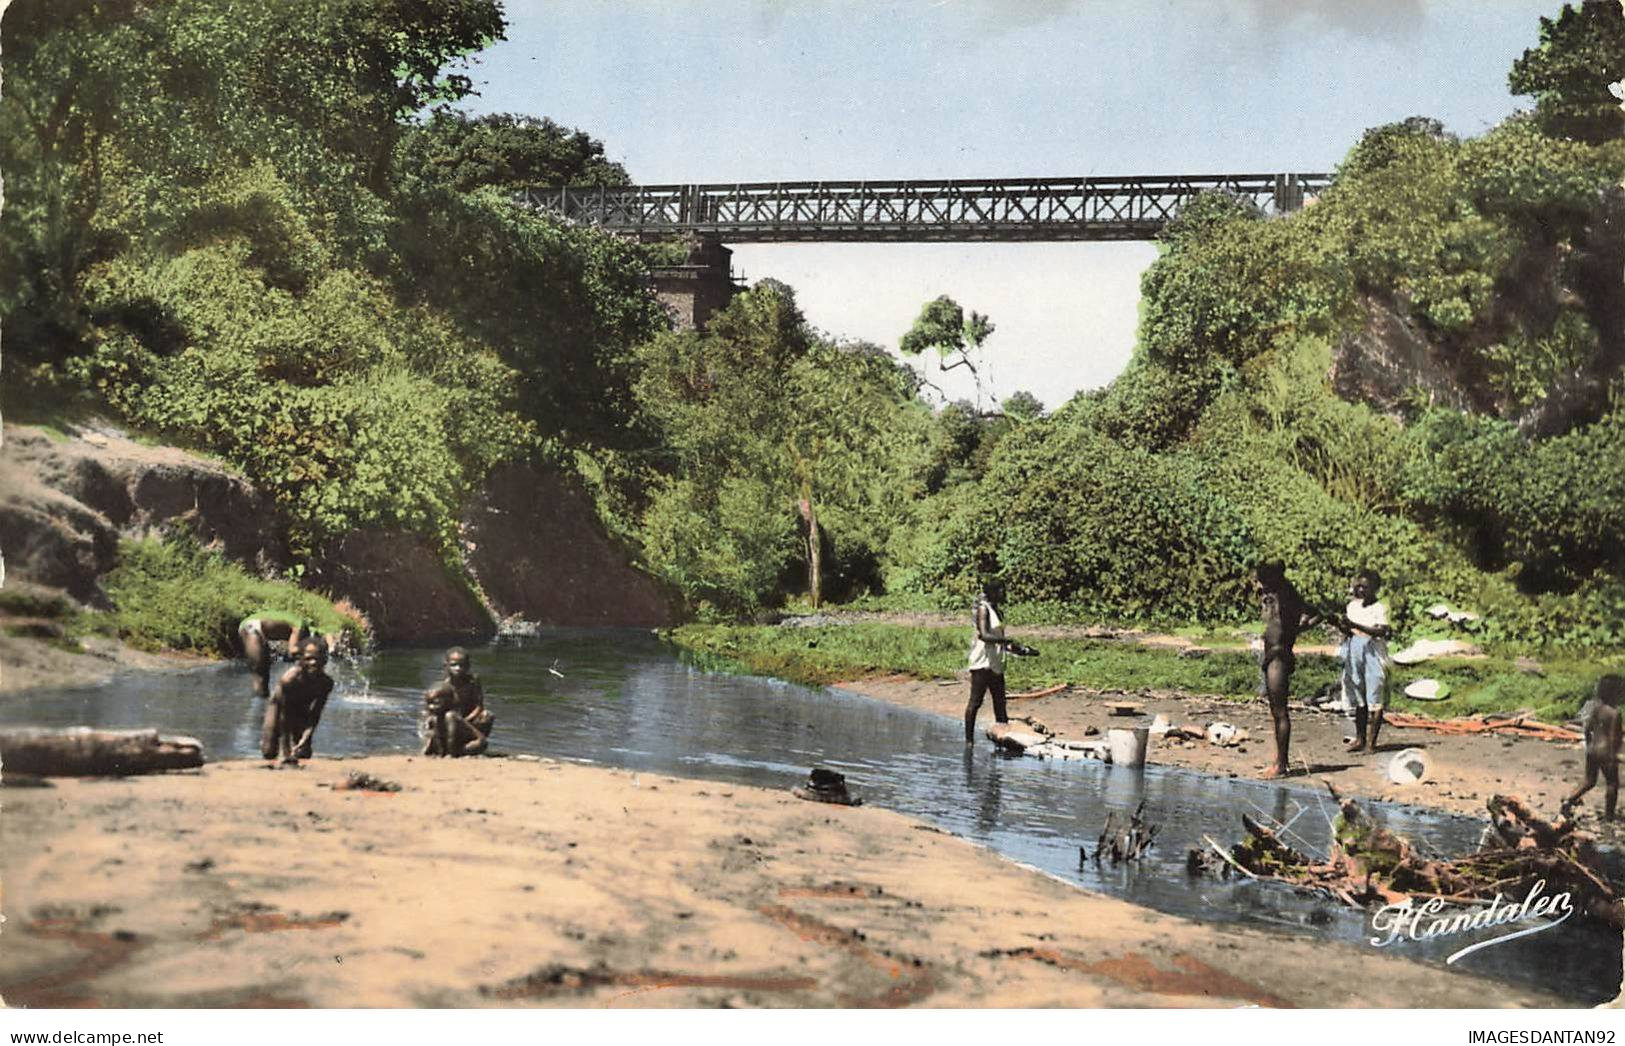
pixel 532 539
pixel 1390 359
pixel 538 551
pixel 405 588
pixel 65 501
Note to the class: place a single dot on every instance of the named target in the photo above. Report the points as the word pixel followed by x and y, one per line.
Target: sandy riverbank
pixel 27 662
pixel 507 882
pixel 1465 770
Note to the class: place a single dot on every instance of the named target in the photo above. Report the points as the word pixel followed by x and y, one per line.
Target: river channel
pixel 625 699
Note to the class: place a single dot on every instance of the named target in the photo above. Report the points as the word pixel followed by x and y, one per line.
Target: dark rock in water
pixel 825 786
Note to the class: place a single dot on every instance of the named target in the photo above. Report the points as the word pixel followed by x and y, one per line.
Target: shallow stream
pixel 624 699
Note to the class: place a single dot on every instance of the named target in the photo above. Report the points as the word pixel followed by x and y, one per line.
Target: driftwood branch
pixel 1368 864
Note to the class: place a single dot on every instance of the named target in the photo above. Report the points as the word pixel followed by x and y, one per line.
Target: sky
pixel 797 90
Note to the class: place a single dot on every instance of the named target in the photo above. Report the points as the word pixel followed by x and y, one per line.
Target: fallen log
pixel 82 752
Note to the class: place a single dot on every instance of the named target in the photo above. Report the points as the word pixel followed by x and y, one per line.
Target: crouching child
pixel 455 719
pixel 295 706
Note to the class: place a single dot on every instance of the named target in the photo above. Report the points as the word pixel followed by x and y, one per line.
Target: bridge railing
pixel 961 209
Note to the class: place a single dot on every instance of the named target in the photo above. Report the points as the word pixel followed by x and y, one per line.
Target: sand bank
pixel 512 882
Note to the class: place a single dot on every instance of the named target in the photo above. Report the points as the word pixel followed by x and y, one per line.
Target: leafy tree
pixel 775 441
pixel 504 151
pixel 1022 405
pixel 1580 52
pixel 1381 146
pixel 943 325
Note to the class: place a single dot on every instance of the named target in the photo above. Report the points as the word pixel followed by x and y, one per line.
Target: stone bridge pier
pixel 703 284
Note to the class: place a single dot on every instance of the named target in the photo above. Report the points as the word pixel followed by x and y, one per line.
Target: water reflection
pixel 626 700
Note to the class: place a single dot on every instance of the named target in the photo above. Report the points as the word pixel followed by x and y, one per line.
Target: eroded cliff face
pixel 1390 360
pixel 65 502
pixel 533 542
pixel 406 589
pixel 537 549
pixel 1393 360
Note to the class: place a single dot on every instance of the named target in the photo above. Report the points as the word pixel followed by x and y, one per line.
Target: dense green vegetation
pixel 758 422
pixel 262 232
pixel 171 594
pixel 1224 443
pixel 221 225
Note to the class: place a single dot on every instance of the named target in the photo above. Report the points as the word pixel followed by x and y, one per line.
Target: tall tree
pixel 504 151
pixel 1022 405
pixel 778 447
pixel 1581 52
pixel 944 326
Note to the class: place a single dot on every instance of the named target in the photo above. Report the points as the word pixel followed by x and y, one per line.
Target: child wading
pixel 1365 660
pixel 987 658
pixel 1602 731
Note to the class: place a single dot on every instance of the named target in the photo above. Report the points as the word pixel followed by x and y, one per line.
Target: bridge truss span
pixel 1004 209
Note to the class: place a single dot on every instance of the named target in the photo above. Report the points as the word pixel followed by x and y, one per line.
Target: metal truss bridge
pixel 1000 209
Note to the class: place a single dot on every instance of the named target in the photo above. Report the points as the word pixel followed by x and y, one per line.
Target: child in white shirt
pixel 1365 663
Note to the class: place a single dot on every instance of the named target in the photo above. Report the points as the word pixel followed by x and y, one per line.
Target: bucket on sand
pixel 1128 746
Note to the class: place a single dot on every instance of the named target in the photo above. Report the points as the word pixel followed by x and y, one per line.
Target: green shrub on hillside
pixel 1066 514
pixel 350 411
pixel 172 594
pixel 1554 508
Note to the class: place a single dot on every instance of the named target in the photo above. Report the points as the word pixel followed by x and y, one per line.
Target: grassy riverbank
pixel 834 653
pixel 171 595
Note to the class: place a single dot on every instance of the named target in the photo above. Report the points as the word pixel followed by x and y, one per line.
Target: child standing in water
pixel 1365 660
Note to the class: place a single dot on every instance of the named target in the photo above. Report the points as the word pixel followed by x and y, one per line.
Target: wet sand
pixel 27 662
pixel 1464 770
pixel 520 882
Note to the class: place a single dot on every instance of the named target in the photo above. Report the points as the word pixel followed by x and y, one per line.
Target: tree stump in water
pixel 83 752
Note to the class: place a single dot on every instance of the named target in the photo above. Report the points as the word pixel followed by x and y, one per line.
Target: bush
pixel 173 594
pixel 1551 509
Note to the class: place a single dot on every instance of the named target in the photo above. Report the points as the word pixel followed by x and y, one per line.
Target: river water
pixel 624 699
